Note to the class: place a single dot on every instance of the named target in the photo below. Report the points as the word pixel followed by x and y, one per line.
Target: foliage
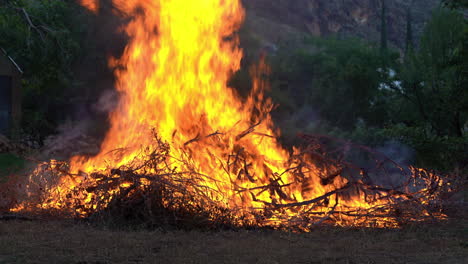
pixel 429 150
pixel 434 94
pixel 433 79
pixel 456 3
pixel 43 38
pixel 419 100
pixel 340 78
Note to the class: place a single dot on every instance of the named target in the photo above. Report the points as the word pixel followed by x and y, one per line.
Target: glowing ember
pixel 222 150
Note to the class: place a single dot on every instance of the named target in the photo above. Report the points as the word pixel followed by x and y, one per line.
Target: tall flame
pixel 176 69
pixel 173 78
pixel 177 66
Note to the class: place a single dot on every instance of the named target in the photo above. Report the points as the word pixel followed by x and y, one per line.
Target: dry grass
pixel 71 242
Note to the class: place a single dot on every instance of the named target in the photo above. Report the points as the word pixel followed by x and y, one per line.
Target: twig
pixel 198 137
pixel 248 131
pixel 315 200
pixel 12 60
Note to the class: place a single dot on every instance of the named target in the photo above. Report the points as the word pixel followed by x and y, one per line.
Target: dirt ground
pixel 79 243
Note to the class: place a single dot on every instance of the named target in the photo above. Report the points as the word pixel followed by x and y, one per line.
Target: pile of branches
pixel 397 194
pixel 151 191
pixel 147 191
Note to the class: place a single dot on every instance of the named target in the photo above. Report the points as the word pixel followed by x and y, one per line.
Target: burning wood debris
pixel 152 189
pixel 213 159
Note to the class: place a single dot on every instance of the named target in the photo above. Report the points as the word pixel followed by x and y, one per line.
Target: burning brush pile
pixel 185 149
pixel 155 189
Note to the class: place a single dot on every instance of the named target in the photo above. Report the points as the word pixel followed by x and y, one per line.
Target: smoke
pixel 72 139
pixel 107 102
pixel 304 119
pixel 94 95
pixel 398 152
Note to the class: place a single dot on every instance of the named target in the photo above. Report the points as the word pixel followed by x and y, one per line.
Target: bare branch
pixel 12 60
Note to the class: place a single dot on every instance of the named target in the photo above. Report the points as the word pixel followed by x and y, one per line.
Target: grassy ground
pixel 69 242
pixel 9 164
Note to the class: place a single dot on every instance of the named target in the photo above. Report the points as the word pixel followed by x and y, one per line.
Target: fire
pixel 173 81
pixel 91 5
pixel 177 66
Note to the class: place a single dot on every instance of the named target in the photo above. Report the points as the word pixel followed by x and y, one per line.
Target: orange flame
pixel 91 5
pixel 180 58
pixel 181 55
pixel 176 68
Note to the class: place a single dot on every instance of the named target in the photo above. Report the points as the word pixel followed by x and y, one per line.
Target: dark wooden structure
pixel 10 94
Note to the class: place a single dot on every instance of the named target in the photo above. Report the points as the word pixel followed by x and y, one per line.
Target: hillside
pixel 275 22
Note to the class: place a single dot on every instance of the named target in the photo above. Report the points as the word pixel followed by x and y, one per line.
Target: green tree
pixel 339 78
pixel 456 3
pixel 431 113
pixel 44 38
pixel 440 77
